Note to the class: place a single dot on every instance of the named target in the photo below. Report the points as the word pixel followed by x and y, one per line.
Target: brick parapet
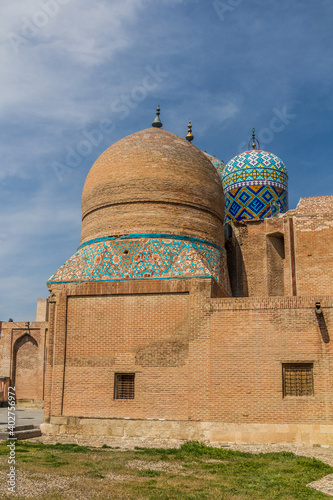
pixel 141 287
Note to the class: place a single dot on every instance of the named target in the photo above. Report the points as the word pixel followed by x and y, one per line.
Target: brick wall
pixel 290 255
pixel 142 334
pixel 194 357
pixel 249 341
pixel 258 266
pixel 313 223
pixel 141 327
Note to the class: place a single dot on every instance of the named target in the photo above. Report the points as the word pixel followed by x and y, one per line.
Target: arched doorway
pixel 25 368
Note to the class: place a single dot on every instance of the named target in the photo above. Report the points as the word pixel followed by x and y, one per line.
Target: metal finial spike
pixel 255 141
pixel 157 122
pixel 189 136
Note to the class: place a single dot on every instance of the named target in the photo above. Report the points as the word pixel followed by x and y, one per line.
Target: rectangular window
pixel 124 385
pixel 297 379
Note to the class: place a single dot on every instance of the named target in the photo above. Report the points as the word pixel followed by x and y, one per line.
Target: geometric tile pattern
pixel 255 167
pixel 145 256
pixel 255 185
pixel 255 202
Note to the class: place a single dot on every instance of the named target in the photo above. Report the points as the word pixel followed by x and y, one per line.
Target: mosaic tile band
pixel 255 183
pixel 145 257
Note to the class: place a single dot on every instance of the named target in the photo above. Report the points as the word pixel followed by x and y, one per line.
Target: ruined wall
pixel 313 227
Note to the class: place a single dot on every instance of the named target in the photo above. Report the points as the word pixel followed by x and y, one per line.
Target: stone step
pixel 21 435
pixel 23 428
pixel 25 403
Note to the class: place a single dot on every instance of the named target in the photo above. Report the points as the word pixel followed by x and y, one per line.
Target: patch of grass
pixel 93 473
pixel 192 472
pixel 73 448
pixel 54 460
pixel 193 449
pixel 148 473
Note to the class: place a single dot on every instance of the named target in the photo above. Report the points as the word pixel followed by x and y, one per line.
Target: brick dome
pixel 153 182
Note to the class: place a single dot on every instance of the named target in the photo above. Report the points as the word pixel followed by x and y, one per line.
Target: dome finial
pixel 255 141
pixel 157 122
pixel 189 136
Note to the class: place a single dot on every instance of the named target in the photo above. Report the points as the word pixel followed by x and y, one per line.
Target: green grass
pixel 192 472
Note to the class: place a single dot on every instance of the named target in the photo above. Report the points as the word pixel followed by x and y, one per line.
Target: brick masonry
pixel 289 255
pixel 196 358
pixel 206 367
pixel 153 182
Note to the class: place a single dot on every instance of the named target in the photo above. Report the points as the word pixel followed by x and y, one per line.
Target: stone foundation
pixel 121 432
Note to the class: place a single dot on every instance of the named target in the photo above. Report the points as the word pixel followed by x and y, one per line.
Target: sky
pixel 79 75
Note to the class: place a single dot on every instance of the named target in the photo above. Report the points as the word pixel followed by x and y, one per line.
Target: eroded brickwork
pixel 313 223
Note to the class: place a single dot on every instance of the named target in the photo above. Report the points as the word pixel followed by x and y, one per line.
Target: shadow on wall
pixel 323 328
pixel 236 266
pixel 275 264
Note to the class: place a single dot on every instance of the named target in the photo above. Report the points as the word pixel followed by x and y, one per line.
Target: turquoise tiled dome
pixel 255 185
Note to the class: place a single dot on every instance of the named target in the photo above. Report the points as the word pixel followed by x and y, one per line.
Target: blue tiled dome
pixel 255 185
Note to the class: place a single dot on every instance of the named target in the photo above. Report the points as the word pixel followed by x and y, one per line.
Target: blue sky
pixel 79 75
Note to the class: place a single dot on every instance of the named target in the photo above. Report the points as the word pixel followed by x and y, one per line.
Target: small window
pixel 297 379
pixel 124 385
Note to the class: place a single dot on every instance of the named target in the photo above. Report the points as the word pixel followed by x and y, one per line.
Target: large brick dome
pixel 153 182
pixel 152 208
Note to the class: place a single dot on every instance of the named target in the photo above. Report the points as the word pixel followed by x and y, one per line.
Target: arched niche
pixel 25 366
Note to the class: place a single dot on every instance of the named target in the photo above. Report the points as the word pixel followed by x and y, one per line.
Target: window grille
pixel 124 385
pixel 297 379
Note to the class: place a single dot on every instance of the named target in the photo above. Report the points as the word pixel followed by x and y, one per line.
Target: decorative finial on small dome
pixel 189 136
pixel 157 122
pixel 255 141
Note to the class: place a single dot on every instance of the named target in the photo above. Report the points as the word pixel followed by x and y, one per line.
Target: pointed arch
pixel 25 364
